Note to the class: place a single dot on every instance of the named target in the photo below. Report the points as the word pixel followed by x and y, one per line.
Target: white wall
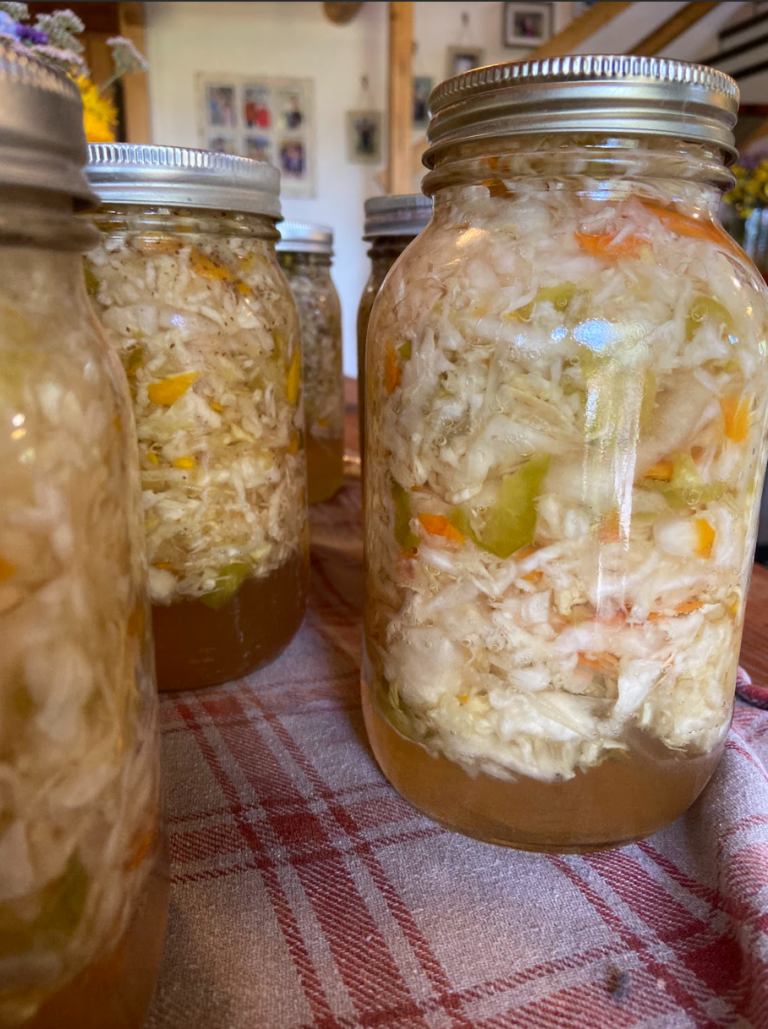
pixel 282 39
pixel 296 39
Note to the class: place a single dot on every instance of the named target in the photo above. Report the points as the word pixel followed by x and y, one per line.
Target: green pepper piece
pixel 405 350
pixel 707 309
pixel 407 539
pixel 229 580
pixel 132 359
pixel 511 522
pixel 686 488
pixel 279 340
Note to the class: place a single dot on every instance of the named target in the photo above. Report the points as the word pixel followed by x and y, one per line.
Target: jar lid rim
pixel 128 173
pixel 399 214
pixel 298 237
pixel 585 93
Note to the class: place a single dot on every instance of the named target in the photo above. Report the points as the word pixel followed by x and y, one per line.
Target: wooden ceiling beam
pixel 400 111
pixel 579 30
pixel 673 27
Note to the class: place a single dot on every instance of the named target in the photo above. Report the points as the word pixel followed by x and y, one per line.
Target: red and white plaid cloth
pixel 307 895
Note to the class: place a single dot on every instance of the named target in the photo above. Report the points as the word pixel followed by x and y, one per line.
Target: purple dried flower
pixel 31 36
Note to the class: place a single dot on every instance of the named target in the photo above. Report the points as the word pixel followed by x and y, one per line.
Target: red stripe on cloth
pixel 313 990
pixel 731 744
pixel 635 943
pixel 716 960
pixel 340 909
pixel 430 964
pixel 590 1006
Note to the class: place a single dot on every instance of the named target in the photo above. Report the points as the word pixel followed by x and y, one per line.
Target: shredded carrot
pixel 535 576
pixel 496 188
pixel 463 698
pixel 391 368
pixel 491 162
pixel 606 245
pixel 216 406
pixel 692 228
pixel 6 569
pixel 705 537
pixel 139 850
pixel 526 551
pixel 165 565
pixel 438 525
pixel 609 527
pixel 244 288
pixel 602 660
pixel 736 415
pixel 117 421
pixel 662 471
pixel 294 443
pixel 688 605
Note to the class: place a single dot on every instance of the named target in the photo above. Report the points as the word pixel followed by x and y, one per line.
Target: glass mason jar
pixel 305 253
pixel 83 886
pixel 391 222
pixel 566 441
pixel 195 304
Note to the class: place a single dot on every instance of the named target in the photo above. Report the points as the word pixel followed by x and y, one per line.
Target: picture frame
pixel 527 25
pixel 364 137
pixel 422 87
pixel 463 58
pixel 264 118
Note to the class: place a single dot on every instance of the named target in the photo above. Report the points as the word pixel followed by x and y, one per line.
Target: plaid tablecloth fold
pixel 308 895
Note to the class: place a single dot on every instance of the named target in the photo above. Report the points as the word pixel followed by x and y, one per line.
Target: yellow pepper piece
pixel 6 569
pixel 245 289
pixel 293 381
pixel 408 540
pixel 661 471
pixel 168 391
pixel 210 269
pixel 510 523
pixel 705 537
pixel 736 413
pixel 152 457
pixel 215 406
pixel 184 463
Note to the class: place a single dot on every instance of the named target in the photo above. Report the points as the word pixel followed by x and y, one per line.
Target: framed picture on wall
pixel 463 58
pixel 527 24
pixel 422 87
pixel 364 137
pixel 266 119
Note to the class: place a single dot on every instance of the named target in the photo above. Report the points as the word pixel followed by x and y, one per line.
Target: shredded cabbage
pixel 566 445
pixel 207 333
pixel 79 772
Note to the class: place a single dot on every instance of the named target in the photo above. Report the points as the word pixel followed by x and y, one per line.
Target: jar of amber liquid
pixel 187 286
pixel 391 222
pixel 566 444
pixel 305 253
pixel 83 877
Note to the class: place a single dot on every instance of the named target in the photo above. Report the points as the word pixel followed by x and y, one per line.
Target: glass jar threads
pixel 83 893
pixel 391 222
pixel 566 444
pixel 187 285
pixel 305 253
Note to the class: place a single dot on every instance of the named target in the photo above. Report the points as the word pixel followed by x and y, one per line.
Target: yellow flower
pixel 99 114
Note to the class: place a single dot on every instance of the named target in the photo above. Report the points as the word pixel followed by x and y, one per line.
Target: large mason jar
pixel 83 892
pixel 391 222
pixel 305 253
pixel 565 447
pixel 187 285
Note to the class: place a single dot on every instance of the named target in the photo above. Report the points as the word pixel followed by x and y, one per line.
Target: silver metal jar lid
pixel 585 93
pixel 174 176
pixel 304 238
pixel 42 139
pixel 405 214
